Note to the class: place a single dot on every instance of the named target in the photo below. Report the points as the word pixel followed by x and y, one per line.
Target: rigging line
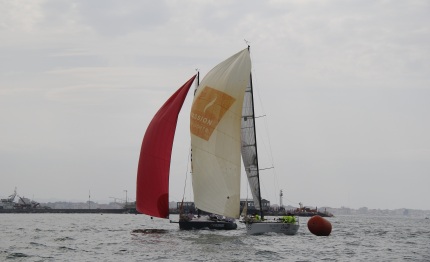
pixel 270 154
pixel 247 190
pixel 272 167
pixel 266 124
pixel 254 116
pixel 186 173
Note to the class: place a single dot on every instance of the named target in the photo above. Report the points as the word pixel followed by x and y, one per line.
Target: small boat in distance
pixel 309 212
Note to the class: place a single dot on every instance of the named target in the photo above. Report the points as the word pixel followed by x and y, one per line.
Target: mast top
pixel 247 43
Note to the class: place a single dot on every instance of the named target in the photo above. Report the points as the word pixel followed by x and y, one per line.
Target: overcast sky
pixel 344 85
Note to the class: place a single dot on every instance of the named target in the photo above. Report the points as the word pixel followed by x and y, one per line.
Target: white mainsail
pixel 249 146
pixel 216 136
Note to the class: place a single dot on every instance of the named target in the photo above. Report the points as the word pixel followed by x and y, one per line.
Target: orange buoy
pixel 319 226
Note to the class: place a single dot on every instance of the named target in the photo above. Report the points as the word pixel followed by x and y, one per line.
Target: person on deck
pixel 190 216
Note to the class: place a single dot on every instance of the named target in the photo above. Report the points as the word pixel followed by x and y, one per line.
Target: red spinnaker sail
pixel 152 194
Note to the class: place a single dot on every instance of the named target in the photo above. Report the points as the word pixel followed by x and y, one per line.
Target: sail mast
pixel 256 149
pixel 197 82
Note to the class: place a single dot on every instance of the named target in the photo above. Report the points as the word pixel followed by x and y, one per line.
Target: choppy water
pixel 108 237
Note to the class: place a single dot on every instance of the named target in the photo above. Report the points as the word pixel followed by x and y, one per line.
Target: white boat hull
pixel 256 228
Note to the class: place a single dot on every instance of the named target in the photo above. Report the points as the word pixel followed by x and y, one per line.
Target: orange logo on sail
pixel 208 109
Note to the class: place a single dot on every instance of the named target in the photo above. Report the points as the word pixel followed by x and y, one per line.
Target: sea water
pixel 109 237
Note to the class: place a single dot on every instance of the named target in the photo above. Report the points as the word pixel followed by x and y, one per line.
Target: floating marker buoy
pixel 319 226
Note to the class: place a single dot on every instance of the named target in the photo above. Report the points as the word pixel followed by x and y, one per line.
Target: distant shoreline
pixel 67 211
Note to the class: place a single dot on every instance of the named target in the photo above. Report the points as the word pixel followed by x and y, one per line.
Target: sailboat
pixel 258 225
pixel 215 124
pixel 152 194
pixel 213 220
pixel 222 131
pixel 215 142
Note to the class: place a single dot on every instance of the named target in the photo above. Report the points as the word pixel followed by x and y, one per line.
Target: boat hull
pixel 256 228
pixel 218 225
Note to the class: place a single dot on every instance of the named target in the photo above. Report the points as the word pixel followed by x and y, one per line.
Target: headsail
pixel 152 194
pixel 249 145
pixel 215 136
